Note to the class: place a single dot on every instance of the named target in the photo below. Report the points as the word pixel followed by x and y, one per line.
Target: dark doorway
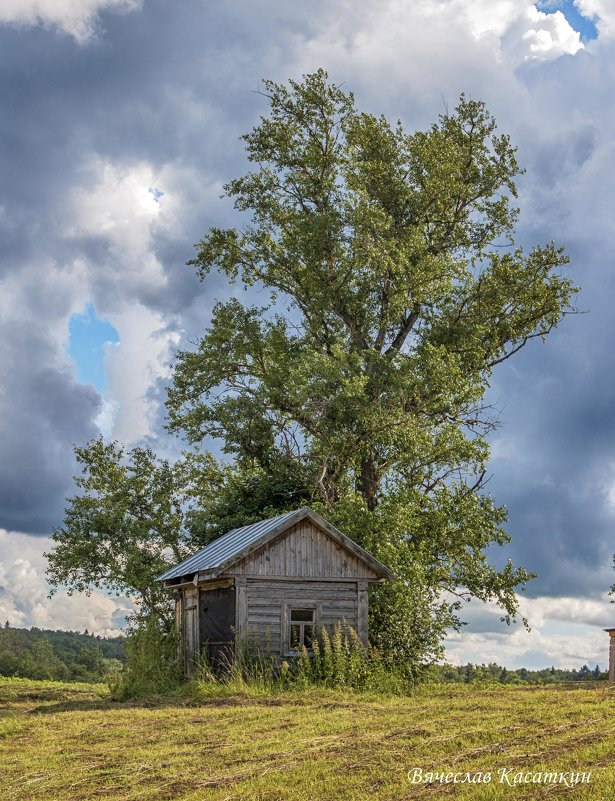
pixel 217 626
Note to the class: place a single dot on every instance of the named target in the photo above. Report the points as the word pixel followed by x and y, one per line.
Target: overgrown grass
pixel 68 742
pixel 336 661
pixel 154 664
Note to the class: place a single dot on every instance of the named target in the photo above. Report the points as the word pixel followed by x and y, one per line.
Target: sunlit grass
pixel 69 742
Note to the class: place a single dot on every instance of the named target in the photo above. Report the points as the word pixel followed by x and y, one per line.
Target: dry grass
pixel 61 742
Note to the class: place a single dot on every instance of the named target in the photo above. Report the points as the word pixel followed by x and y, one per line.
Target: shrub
pixel 338 660
pixel 153 662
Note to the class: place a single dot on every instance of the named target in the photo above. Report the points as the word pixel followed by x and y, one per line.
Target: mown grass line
pixel 62 742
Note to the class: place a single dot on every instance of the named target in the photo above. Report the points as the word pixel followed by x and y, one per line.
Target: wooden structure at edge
pixel 611 633
pixel 306 570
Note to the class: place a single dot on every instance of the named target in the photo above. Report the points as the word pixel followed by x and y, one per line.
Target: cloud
pixel 564 631
pixel 528 32
pixel 549 35
pixel 134 368
pixel 116 204
pixel 79 18
pixel 587 611
pixel 601 10
pixel 43 409
pixel 24 593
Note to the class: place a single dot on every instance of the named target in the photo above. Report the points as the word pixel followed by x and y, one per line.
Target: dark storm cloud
pixel 46 411
pixel 169 83
pixel 173 84
pixel 554 465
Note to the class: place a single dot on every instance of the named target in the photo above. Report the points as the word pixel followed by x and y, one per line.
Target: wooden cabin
pixel 611 633
pixel 275 583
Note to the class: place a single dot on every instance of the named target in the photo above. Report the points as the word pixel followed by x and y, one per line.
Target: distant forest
pixel 71 656
pixel 493 673
pixel 60 655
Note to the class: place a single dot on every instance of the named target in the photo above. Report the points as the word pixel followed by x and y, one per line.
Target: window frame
pixel 298 604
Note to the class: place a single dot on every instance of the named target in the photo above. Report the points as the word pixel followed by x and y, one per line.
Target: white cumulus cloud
pixel 24 590
pixel 75 17
pixel 600 11
pixel 549 35
pixel 134 367
pixel 564 631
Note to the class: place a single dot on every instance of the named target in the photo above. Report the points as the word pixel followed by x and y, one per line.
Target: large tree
pixel 393 288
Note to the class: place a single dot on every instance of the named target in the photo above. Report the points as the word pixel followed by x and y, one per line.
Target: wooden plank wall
pixel 267 600
pixel 191 627
pixel 304 551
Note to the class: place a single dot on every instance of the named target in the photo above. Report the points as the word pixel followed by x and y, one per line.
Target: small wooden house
pixel 611 633
pixel 276 582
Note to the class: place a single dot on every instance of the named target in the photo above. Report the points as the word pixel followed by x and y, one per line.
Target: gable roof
pixel 230 548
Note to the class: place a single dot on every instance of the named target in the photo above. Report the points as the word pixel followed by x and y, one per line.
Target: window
pixel 302 622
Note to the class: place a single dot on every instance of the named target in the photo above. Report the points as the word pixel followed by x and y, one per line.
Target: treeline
pixel 73 656
pixel 58 655
pixel 494 673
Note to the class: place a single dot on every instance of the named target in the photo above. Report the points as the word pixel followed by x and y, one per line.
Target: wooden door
pixel 217 622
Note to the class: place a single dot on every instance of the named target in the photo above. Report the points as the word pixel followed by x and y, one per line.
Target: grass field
pixel 62 742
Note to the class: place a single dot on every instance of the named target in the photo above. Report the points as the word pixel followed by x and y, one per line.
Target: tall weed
pixel 337 660
pixel 154 663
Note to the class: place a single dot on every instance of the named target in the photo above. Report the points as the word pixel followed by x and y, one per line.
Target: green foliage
pixel 136 515
pixel 338 659
pixel 57 655
pixel 123 528
pixel 395 289
pixel 154 663
pixel 496 674
pixel 229 498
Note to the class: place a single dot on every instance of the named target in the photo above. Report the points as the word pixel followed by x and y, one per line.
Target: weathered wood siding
pixel 191 627
pixel 304 551
pixel 267 603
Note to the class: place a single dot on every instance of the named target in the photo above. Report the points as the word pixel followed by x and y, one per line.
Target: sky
pixel 121 122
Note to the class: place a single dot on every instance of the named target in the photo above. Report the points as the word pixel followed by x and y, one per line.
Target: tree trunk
pixel 368 482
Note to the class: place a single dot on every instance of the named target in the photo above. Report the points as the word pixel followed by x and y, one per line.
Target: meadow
pixel 71 742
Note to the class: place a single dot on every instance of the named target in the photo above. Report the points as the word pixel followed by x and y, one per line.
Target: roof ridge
pixel 228 548
pixel 186 565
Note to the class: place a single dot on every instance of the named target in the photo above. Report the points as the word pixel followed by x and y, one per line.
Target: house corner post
pixel 611 654
pixel 241 608
pixel 362 613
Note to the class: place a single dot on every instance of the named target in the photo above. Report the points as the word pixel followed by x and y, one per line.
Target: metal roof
pixel 220 554
pixel 226 547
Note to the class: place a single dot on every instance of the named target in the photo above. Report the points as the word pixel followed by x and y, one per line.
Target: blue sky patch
pixel 86 346
pixel 584 26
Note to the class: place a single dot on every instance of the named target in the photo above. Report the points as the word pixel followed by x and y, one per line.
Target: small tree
pixel 124 528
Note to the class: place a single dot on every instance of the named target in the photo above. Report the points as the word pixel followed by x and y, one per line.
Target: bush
pixel 338 660
pixel 342 661
pixel 154 663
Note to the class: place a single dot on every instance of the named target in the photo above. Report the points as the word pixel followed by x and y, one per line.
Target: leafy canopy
pixel 395 287
pixel 392 287
pixel 124 527
pixel 396 295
